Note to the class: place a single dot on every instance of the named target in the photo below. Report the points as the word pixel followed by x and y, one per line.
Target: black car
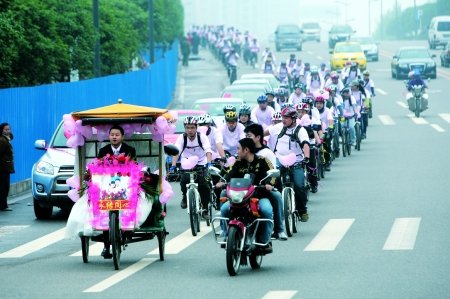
pixel 445 56
pixel 410 58
pixel 288 36
pixel 339 33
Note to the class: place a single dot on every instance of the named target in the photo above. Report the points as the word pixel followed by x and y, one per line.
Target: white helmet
pixel 204 119
pixel 276 116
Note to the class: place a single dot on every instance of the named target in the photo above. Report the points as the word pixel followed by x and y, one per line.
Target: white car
pixel 269 77
pixel 214 106
pixel 439 31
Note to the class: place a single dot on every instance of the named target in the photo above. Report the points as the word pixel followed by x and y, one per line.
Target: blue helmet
pixel 262 99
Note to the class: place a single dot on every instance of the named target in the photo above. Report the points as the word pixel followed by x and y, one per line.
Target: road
pixel 377 226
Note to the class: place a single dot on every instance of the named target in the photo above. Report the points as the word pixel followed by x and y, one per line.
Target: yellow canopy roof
pixel 119 110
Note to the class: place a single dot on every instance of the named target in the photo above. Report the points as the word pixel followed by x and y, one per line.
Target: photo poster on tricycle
pixel 114 188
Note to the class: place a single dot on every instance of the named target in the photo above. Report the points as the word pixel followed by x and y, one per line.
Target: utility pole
pixel 97 62
pixel 151 15
pixel 381 20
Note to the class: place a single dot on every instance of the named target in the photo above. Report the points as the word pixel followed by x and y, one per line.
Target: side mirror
pixel 171 150
pixel 433 56
pixel 40 144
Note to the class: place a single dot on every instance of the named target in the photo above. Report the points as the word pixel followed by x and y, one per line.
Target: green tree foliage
pixel 42 41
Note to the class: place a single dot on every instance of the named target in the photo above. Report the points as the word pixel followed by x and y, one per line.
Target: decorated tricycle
pixel 119 187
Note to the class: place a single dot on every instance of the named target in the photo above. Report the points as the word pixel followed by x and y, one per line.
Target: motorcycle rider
pixel 262 114
pixel 193 143
pixel 249 162
pixel 415 79
pixel 244 115
pixel 294 139
pixel 228 134
pixel 256 133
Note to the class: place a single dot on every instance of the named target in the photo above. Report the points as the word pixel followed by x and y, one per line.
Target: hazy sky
pixel 262 16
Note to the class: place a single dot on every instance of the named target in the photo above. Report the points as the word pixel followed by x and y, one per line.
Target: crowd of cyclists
pixel 304 115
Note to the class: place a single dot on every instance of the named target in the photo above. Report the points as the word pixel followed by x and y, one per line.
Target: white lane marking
pixel 183 240
pixel 94 250
pixel 280 295
pixel 9 229
pixel 437 128
pixel 330 235
pixel 445 116
pixel 402 104
pixel 35 245
pixel 381 91
pixel 386 120
pixel 119 276
pixel 418 120
pixel 319 57
pixel 403 234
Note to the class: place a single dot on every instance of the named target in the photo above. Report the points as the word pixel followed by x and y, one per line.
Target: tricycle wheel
pixel 233 252
pixel 161 244
pixel 85 248
pixel 114 233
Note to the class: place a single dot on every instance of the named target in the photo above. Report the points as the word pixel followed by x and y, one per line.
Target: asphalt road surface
pixel 378 226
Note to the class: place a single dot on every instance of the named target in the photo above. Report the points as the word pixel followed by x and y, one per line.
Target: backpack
pixel 293 135
pixel 185 142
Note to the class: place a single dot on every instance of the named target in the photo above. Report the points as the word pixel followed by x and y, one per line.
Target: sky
pixel 262 16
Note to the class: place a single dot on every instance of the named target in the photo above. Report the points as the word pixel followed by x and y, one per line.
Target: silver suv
pixel 49 175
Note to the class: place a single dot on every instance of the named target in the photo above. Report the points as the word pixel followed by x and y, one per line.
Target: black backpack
pixel 185 142
pixel 294 135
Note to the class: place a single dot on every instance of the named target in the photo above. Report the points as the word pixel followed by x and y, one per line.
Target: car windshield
pixel 59 140
pixel 415 53
pixel 214 108
pixel 341 29
pixel 272 80
pixel 288 30
pixel 347 48
pixel 443 26
pixel 310 26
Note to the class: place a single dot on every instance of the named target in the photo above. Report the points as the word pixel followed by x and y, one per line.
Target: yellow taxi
pixel 347 51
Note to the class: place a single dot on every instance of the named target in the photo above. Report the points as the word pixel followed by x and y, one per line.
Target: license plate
pixel 114 205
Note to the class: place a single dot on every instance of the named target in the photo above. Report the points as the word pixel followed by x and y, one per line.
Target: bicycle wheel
pixel 358 136
pixel 233 252
pixel 349 143
pixel 344 143
pixel 318 164
pixel 193 215
pixel 114 234
pixel 294 212
pixel 322 162
pixel 287 201
pixel 336 149
pixel 85 248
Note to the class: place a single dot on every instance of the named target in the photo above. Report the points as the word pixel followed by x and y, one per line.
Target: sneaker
pixel 205 215
pixel 266 249
pixel 6 210
pixel 304 217
pixel 183 203
pixel 314 189
pixel 282 236
pixel 106 254
pixel 274 236
pixel 327 167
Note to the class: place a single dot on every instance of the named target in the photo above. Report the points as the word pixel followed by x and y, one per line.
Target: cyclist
pixel 268 67
pixel 256 133
pixel 368 83
pixel 296 71
pixel 314 81
pixel 353 73
pixel 254 49
pixel 262 114
pixel 327 119
pixel 270 101
pixel 294 139
pixel 345 69
pixel 270 133
pixel 193 143
pixel 229 134
pixel 350 110
pixel 282 96
pixel 283 73
pixel 323 70
pixel 297 96
pixel 334 80
pixel 231 59
pixel 249 162
pixel 244 115
pixel 359 94
pixel 206 120
pixel 266 54
pixel 291 61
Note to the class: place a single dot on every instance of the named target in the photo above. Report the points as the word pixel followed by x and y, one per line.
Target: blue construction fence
pixel 35 112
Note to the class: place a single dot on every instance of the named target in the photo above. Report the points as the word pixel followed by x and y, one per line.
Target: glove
pixel 306 160
pixel 342 119
pixel 172 169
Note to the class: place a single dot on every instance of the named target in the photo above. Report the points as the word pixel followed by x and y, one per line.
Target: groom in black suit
pixel 116 147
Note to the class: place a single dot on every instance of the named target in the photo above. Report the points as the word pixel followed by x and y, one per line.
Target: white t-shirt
pixel 212 139
pixel 193 148
pixel 315 116
pixel 268 154
pixel 274 130
pixel 230 139
pixel 287 145
pixel 262 117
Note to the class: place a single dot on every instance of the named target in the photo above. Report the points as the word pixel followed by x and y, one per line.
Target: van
pixel 439 31
pixel 288 36
pixel 311 31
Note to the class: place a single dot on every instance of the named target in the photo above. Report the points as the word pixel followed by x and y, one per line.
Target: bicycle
pixel 358 133
pixel 232 73
pixel 346 143
pixel 288 195
pixel 193 200
pixel 336 134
